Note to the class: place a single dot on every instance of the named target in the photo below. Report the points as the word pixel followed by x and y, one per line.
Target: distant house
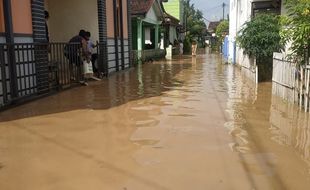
pixel 30 65
pixel 174 20
pixel 147 17
pixel 212 26
pixel 175 8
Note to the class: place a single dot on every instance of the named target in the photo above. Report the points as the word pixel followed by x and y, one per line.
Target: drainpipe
pixel 7 8
pixel 116 32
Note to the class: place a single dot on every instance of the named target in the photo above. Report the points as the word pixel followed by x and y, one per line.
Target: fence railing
pixel 284 78
pixel 28 70
pixel 290 82
pixel 304 87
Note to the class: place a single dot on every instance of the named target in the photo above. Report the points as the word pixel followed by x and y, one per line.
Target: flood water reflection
pixel 190 123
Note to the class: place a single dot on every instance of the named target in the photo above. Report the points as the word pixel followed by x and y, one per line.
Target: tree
pixel 195 25
pixel 222 29
pixel 296 29
pixel 260 37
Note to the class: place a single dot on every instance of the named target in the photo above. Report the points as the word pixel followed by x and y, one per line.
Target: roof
pixel 173 20
pixel 141 7
pixel 212 25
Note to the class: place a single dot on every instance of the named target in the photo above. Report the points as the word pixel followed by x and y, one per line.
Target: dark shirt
pixel 47 33
pixel 76 39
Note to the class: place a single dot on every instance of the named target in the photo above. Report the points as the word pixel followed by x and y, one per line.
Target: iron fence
pixel 29 70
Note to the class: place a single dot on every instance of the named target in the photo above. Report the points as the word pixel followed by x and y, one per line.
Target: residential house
pixel 147 18
pixel 174 20
pixel 212 40
pixel 31 66
pixel 175 8
pixel 212 26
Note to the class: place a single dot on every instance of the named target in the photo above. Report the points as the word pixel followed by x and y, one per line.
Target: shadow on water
pixel 144 81
pixel 267 131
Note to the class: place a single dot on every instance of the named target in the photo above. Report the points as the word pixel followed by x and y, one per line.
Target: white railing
pixel 304 87
pixel 284 78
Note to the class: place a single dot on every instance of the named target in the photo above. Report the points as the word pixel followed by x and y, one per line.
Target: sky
pixel 212 9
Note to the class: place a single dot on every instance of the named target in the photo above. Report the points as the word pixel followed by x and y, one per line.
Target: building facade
pixel 176 9
pixel 28 62
pixel 242 11
pixel 147 18
pixel 174 17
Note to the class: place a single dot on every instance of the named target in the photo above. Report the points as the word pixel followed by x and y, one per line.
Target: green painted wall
pixel 173 7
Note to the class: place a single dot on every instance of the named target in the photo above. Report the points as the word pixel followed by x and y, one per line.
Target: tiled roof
pixel 212 25
pixel 140 7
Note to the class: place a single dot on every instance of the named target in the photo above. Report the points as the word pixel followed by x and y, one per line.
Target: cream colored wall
pixel 110 19
pixel 22 18
pixel 125 22
pixel 67 17
pixel 2 27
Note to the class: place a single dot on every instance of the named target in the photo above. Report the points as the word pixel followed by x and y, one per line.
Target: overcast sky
pixel 212 9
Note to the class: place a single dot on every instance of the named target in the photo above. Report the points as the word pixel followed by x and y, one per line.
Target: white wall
pixel 147 34
pixel 67 17
pixel 240 13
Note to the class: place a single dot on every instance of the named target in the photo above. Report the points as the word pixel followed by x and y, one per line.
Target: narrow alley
pixel 186 124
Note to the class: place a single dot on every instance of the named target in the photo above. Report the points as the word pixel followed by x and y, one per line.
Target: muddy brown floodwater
pixel 186 124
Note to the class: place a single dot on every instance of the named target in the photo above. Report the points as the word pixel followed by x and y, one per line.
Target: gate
pixel 30 70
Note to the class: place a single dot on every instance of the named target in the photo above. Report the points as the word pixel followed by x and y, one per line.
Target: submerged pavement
pixel 190 123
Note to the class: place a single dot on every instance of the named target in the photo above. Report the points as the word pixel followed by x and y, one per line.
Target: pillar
pixel 139 38
pixel 156 35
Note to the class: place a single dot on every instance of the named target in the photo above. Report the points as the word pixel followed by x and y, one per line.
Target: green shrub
pixel 260 37
pixel 296 29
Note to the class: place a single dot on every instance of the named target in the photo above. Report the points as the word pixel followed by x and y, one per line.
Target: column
pixel 156 35
pixel 7 8
pixel 139 38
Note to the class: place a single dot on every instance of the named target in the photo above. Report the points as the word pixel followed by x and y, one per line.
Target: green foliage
pixel 222 29
pixel 260 37
pixel 296 29
pixel 195 25
pixel 187 44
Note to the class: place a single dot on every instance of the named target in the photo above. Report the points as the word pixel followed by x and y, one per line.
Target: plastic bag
pixel 87 67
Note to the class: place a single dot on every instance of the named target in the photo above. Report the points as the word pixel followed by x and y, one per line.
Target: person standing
pixel 194 48
pixel 181 46
pixel 92 52
pixel 76 53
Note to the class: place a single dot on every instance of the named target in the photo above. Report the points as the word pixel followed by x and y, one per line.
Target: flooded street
pixel 187 124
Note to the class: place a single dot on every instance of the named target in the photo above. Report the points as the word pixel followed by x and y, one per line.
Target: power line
pixel 223 5
pixel 213 8
pixel 218 6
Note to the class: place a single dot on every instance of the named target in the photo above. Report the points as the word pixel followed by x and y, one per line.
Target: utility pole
pixel 224 10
